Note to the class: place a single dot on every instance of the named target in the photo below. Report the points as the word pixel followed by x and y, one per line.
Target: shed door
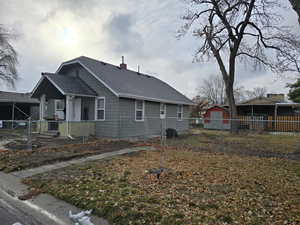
pixel 216 120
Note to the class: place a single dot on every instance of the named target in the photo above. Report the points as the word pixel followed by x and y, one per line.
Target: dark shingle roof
pixel 17 97
pixel 69 85
pixel 127 83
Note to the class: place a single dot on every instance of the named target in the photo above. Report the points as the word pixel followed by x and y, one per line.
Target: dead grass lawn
pixel 199 187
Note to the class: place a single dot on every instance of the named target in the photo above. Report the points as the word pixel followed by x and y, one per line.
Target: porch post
pixel 42 107
pixel 13 115
pixel 68 112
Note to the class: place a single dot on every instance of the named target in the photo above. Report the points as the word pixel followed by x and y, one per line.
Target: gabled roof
pixel 66 85
pixel 129 84
pixel 17 97
pixel 69 85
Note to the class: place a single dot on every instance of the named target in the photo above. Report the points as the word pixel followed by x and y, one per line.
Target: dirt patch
pixel 23 159
pixel 258 145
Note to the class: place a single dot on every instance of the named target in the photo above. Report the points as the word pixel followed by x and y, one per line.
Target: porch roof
pixel 66 85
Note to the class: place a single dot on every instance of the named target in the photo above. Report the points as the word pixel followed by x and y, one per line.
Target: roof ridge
pixel 110 64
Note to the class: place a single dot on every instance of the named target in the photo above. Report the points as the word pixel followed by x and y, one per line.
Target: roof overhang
pixel 58 88
pixel 161 100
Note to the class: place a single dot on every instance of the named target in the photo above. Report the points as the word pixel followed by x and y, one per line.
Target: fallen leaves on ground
pixel 199 188
pixel 15 160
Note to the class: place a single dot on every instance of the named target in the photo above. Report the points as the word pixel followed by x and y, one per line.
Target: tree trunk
pixel 232 108
pixel 296 6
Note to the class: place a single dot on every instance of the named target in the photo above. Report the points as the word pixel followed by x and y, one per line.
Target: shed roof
pixel 17 97
pixel 130 84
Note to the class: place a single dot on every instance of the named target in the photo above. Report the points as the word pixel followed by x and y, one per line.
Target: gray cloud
pixel 122 35
pixel 143 31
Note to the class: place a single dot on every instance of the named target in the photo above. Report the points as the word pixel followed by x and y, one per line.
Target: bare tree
pixel 245 30
pixel 296 7
pixel 213 89
pixel 256 92
pixel 200 107
pixel 8 58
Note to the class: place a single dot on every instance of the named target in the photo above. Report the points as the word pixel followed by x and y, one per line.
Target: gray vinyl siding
pixel 173 122
pixel 109 127
pixel 120 112
pixel 151 126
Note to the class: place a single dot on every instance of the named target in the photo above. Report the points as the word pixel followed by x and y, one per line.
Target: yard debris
pixel 81 218
pixel 156 172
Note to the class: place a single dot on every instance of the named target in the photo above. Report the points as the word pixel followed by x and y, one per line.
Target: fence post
pixel 29 141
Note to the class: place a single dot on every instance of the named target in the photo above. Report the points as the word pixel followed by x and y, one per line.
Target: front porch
pixel 68 112
pixel 68 128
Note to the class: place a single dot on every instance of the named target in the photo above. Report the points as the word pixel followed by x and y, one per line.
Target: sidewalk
pixel 47 168
pixel 45 208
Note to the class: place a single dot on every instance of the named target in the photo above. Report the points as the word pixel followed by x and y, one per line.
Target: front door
pixel 76 109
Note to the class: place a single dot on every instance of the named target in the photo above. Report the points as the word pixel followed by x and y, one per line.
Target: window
pixel 100 108
pixel 59 105
pixel 139 110
pixel 162 110
pixel 179 112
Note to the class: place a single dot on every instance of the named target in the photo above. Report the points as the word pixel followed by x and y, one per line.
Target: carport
pixel 18 106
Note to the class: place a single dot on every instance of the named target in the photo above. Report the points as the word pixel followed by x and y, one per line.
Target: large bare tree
pixel 256 92
pixel 249 31
pixel 296 7
pixel 213 90
pixel 8 58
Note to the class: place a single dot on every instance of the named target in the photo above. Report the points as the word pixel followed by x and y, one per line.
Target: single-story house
pixel 271 105
pixel 18 106
pixel 216 117
pixel 90 97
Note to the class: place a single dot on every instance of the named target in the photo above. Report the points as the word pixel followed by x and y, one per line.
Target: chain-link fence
pixel 147 127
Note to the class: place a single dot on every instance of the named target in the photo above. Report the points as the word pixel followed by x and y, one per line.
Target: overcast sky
pixel 144 31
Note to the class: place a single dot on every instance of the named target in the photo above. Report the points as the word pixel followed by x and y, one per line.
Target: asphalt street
pixel 10 214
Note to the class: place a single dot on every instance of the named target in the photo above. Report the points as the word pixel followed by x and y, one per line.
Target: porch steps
pixel 49 134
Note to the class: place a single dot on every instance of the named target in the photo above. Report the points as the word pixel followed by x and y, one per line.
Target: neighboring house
pixel 18 106
pixel 216 117
pixel 90 97
pixel 270 113
pixel 272 105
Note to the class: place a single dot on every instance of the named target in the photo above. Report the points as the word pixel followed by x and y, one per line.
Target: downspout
pixel 68 116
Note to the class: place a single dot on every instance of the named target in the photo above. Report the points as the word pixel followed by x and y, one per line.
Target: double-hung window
pixel 59 105
pixel 100 108
pixel 179 112
pixel 139 110
pixel 162 110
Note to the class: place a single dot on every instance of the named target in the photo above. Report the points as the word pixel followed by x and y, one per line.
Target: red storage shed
pixel 217 118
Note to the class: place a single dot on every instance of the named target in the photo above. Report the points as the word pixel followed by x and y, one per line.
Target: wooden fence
pixel 269 123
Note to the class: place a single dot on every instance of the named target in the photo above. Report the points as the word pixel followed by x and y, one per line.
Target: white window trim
pixel 96 108
pixel 55 105
pixel 180 111
pixel 143 114
pixel 163 116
